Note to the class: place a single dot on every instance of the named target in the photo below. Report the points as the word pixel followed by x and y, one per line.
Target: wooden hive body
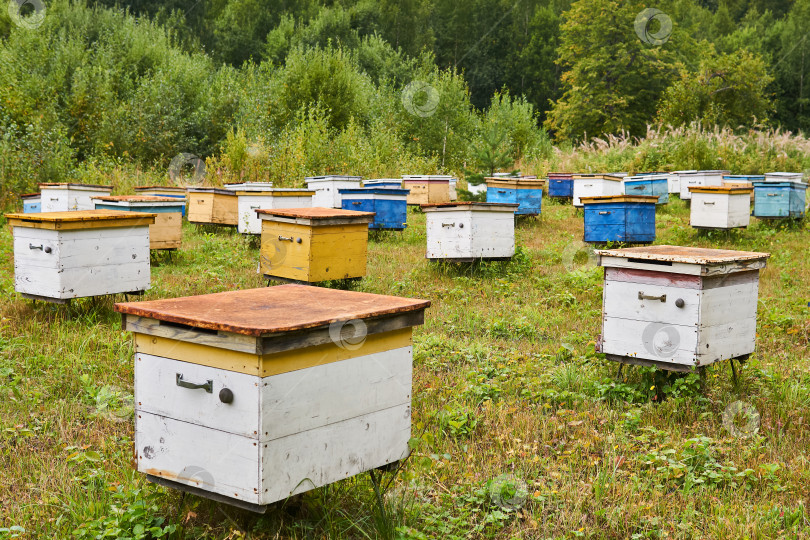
pixel 595 185
pixel 427 189
pixel 620 218
pixel 679 308
pixel 314 244
pixel 167 230
pixel 527 193
pixel 327 189
pixel 70 197
pixel 32 203
pixel 470 231
pixel 213 206
pixel 774 199
pixel 389 205
pixel 674 180
pixel 250 201
pixel 699 179
pixel 561 185
pixel 648 184
pixel 723 207
pixel 384 183
pixel 64 255
pixel 318 384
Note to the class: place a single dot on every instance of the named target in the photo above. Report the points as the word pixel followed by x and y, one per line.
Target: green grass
pixel 520 429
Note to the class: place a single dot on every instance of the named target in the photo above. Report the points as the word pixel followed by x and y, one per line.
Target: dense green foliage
pixel 313 87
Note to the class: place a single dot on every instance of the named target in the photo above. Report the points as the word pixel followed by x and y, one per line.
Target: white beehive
pixel 249 186
pixel 249 397
pixel 720 207
pixel 699 179
pixel 679 308
pixel 784 177
pixel 674 180
pixel 465 231
pixel 64 255
pixel 596 185
pixel 268 199
pixel 70 197
pixel 327 189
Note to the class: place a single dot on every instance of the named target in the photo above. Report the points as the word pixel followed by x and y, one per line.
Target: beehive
pixel 70 197
pixel 679 308
pixel 208 205
pixel 648 184
pixel 561 185
pixel 452 189
pixel 64 255
pixel 327 189
pixel 389 206
pixel 784 177
pixel 620 218
pixel 700 179
pixel 720 207
pixel 427 189
pixel 527 193
pixel 32 203
pixel 385 183
pixel 314 244
pixel 250 201
pixel 167 230
pixel 596 185
pixel 466 231
pixel 164 191
pixel 779 199
pixel 249 397
pixel 742 178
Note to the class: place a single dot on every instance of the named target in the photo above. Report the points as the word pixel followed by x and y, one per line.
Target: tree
pixel 613 77
pixel 727 90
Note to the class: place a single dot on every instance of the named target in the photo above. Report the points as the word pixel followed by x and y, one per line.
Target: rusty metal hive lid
pixel 680 254
pixel 272 310
pixel 79 215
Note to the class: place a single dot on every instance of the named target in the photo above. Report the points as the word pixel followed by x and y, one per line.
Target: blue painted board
pixel 654 187
pixel 150 209
pixel 561 187
pixel 530 201
pixel 620 222
pixel 744 177
pixel 389 205
pixel 779 199
pixel 32 207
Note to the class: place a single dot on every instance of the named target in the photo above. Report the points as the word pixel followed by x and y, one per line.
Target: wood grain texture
pixel 218 207
pixel 84 219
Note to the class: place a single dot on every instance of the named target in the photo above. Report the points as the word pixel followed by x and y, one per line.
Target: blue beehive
pixel 740 178
pixel 389 205
pixel 620 218
pixel 779 199
pixel 32 203
pixel 561 185
pixel 648 184
pixel 527 193
pixel 386 183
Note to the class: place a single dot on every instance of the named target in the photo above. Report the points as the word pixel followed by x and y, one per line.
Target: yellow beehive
pixel 213 205
pixel 314 244
pixel 427 189
pixel 167 230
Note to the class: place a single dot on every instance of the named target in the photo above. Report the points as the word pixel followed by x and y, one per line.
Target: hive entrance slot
pixel 646 261
pixel 182 326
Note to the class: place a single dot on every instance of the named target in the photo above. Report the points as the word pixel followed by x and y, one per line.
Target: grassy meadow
pixel 520 430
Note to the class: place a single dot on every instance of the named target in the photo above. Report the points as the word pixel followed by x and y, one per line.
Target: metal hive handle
pixel 208 386
pixel 642 296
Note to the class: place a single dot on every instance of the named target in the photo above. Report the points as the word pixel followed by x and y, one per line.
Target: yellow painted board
pixel 323 252
pixel 438 192
pixel 209 207
pixel 269 364
pixel 418 193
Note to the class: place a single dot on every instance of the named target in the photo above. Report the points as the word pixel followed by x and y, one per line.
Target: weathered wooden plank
pixel 181 332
